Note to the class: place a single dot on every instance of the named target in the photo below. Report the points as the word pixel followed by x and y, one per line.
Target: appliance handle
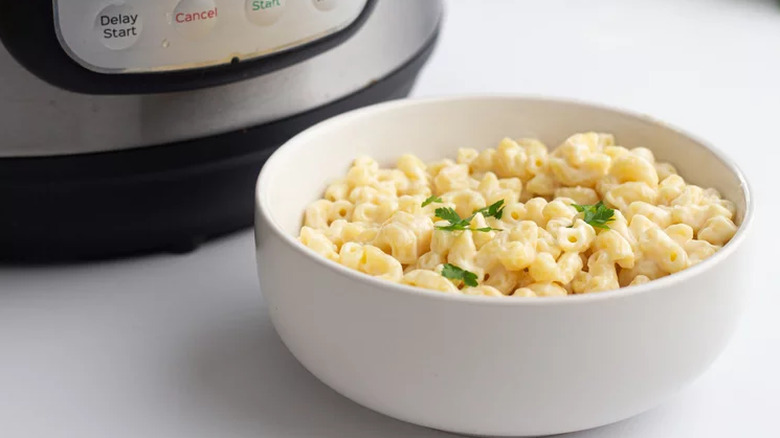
pixel 27 30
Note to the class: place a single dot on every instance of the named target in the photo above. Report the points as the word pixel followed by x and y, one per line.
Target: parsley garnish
pixel 597 216
pixel 461 224
pixel 496 210
pixel 431 200
pixel 455 273
pixel 448 214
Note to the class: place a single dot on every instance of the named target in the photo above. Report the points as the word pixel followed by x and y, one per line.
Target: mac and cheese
pixel 589 216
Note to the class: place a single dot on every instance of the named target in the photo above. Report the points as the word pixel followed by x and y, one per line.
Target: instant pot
pixel 140 125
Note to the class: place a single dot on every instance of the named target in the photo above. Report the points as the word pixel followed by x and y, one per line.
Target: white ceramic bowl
pixel 481 365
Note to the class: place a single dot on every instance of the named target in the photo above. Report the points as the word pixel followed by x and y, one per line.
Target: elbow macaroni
pixel 373 220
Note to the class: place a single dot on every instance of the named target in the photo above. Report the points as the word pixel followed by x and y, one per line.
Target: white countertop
pixel 182 347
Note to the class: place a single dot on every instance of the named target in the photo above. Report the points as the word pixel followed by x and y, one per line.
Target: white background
pixel 181 346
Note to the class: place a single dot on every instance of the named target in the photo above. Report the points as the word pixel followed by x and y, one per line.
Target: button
pixel 264 12
pixel 195 18
pixel 325 5
pixel 118 26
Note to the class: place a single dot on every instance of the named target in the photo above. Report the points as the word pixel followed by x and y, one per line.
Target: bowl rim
pixel 291 146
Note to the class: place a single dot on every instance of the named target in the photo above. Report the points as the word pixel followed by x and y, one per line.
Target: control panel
pixel 140 36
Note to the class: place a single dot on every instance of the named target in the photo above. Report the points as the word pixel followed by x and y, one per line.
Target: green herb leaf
pixel 597 216
pixel 431 200
pixel 451 227
pixel 456 223
pixel 449 215
pixel 495 210
pixel 455 273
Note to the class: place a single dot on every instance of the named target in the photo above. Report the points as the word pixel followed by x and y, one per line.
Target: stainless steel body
pixel 37 119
